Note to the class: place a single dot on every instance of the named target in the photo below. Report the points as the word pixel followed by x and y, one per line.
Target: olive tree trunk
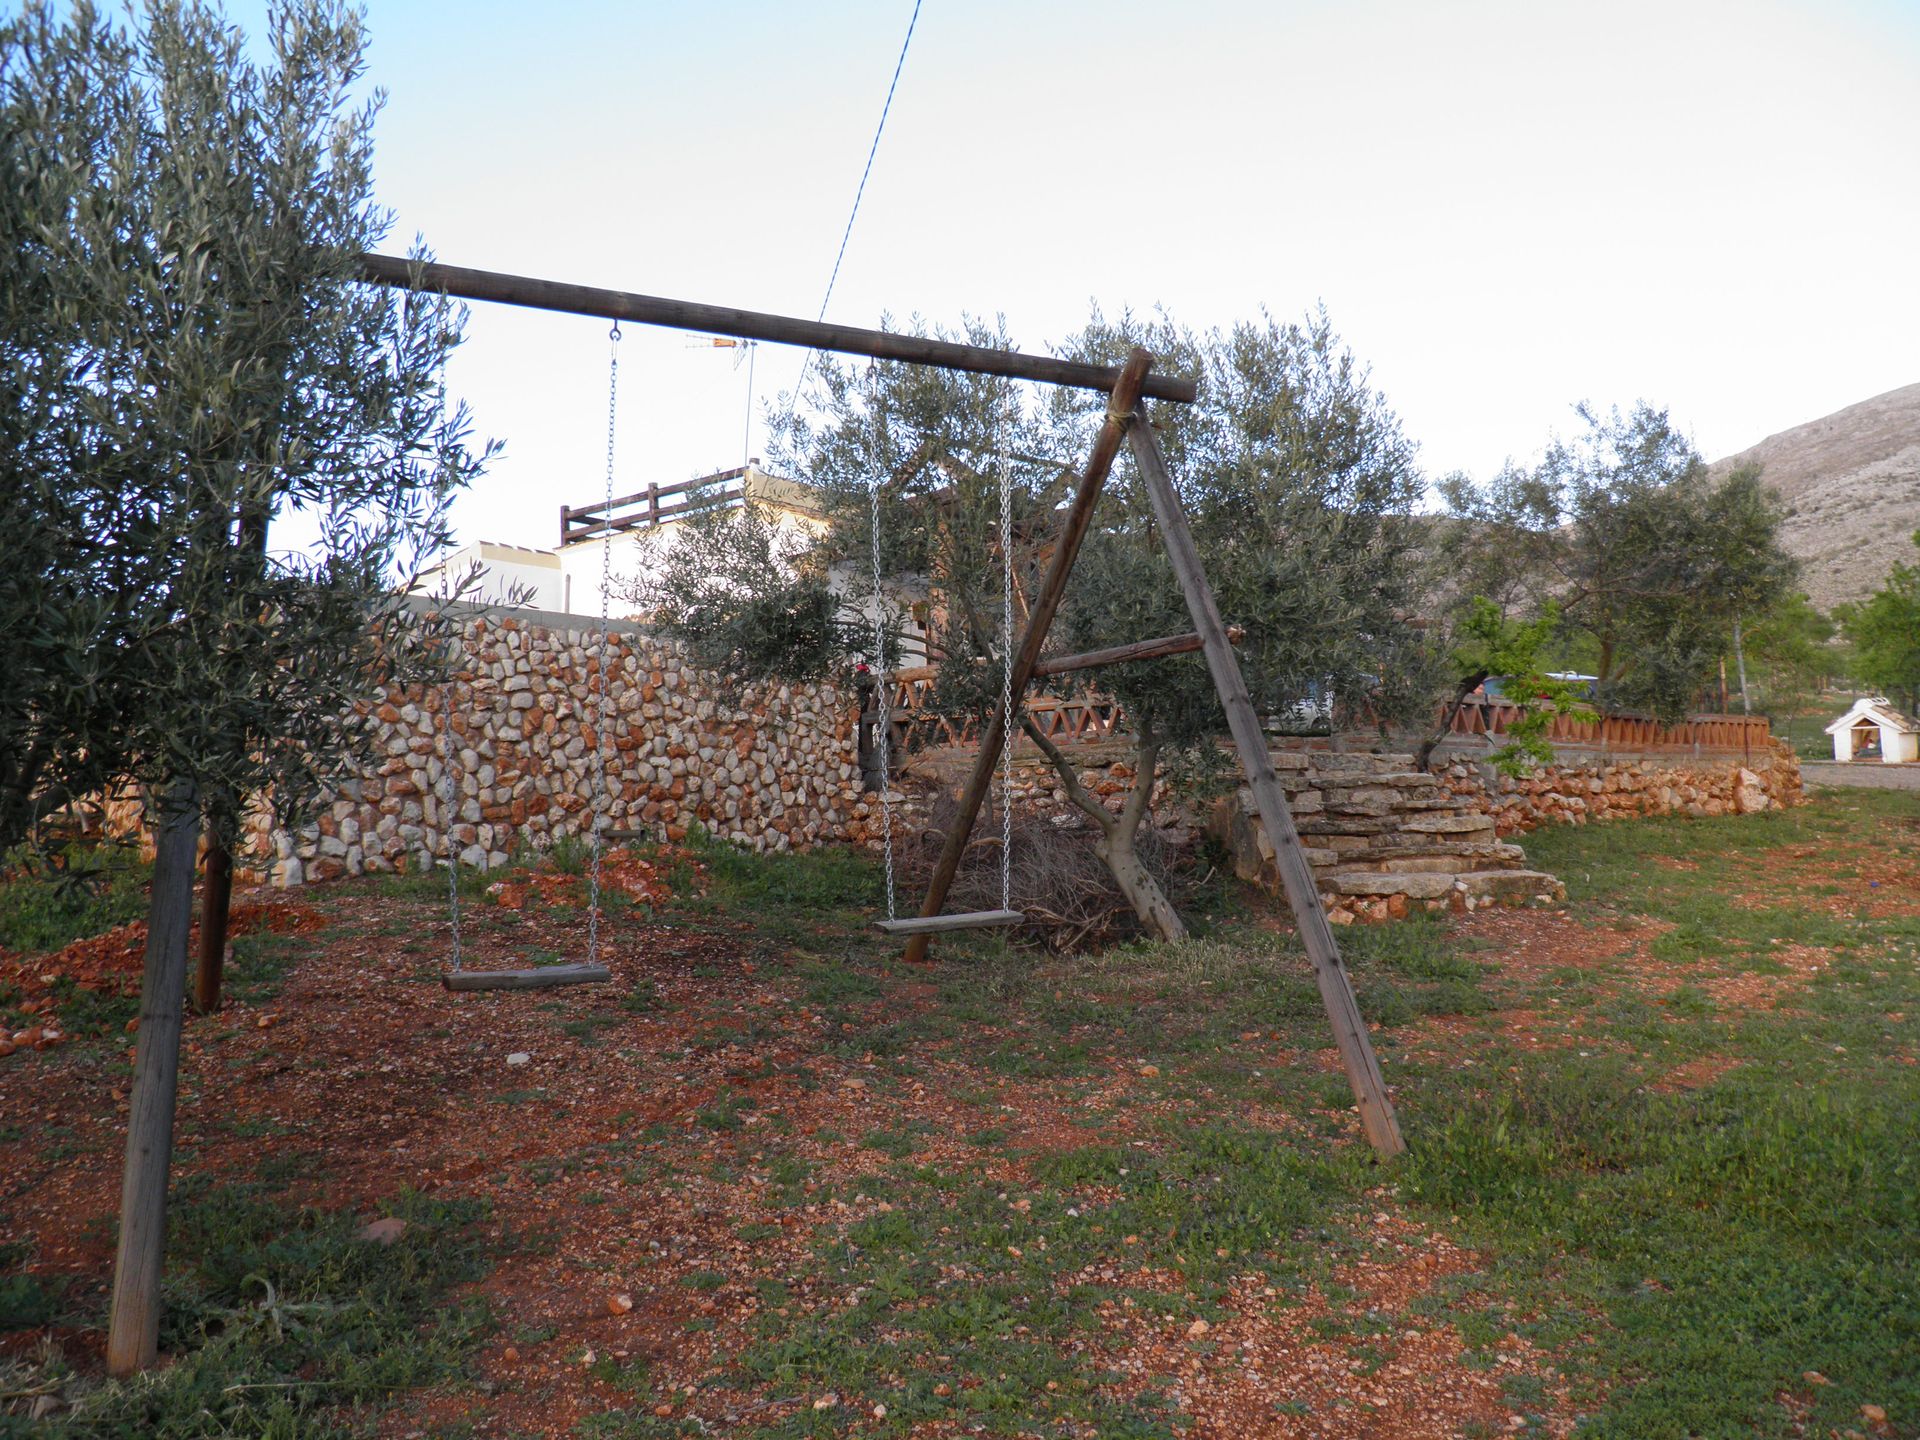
pixel 1116 846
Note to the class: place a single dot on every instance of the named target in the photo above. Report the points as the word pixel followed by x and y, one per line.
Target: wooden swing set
pixel 1127 423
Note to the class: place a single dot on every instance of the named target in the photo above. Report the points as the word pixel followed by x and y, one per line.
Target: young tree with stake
pixel 189 336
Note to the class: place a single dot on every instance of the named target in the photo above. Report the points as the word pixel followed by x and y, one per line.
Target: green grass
pixel 281 1322
pixel 820 885
pixel 1731 1238
pixel 1684 1256
pixel 45 906
pixel 976 1290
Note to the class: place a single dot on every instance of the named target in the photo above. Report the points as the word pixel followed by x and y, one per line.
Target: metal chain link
pixel 449 768
pixel 883 728
pixel 1006 670
pixel 606 684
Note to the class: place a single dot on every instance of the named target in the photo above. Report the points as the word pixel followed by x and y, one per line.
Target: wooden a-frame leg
pixel 1296 876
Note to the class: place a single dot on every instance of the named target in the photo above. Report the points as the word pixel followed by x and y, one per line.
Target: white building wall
pixel 504 569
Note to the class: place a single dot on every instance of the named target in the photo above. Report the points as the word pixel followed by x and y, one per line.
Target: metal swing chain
pixel 883 727
pixel 1006 672
pixel 448 813
pixel 449 765
pixel 606 684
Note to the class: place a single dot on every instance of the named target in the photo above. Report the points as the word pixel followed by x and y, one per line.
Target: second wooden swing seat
pixel 536 977
pixel 936 924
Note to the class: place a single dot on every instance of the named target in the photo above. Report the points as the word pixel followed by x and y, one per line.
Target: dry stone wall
pixel 1384 839
pixel 771 768
pixel 1579 788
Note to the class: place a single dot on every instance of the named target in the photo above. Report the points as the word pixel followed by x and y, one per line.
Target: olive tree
pixel 1650 559
pixel 189 352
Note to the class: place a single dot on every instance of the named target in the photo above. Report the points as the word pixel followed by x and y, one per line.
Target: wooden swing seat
pixel 967 920
pixel 537 977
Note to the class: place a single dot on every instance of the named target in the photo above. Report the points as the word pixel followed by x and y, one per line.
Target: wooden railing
pixel 1623 732
pixel 1070 719
pixel 580 522
pixel 1088 715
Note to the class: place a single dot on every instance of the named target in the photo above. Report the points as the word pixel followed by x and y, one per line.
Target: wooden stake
pixel 133 1321
pixel 1126 395
pixel 1303 895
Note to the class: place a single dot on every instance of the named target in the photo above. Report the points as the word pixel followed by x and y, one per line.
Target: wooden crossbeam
pixel 1156 649
pixel 466 284
pixel 1127 654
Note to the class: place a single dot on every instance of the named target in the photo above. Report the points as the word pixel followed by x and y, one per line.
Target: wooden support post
pixel 1126 395
pixel 216 895
pixel 1303 895
pixel 133 1322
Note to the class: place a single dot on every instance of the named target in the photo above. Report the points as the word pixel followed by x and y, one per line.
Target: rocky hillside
pixel 1852 483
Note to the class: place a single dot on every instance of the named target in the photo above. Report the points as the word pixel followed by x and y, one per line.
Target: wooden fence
pixel 654 504
pixel 1069 719
pixel 1623 732
pixel 1088 715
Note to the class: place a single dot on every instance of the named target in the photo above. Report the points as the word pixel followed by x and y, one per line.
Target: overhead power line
pixel 800 384
pixel 872 150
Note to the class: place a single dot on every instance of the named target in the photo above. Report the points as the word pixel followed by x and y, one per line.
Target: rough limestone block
pixel 1446 824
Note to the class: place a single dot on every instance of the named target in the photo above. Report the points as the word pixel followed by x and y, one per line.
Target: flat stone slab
pixel 1512 884
pixel 1447 824
pixel 1429 886
pixel 1349 825
pixel 1437 885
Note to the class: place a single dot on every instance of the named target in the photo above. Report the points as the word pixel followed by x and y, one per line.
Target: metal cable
pixel 883 728
pixel 606 685
pixel 859 191
pixel 1006 671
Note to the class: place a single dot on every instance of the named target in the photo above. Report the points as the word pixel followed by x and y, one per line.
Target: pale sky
pixel 1506 207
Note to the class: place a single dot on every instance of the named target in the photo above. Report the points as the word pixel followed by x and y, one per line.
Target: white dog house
pixel 1874 730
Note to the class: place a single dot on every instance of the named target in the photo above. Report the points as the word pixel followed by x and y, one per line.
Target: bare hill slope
pixel 1851 481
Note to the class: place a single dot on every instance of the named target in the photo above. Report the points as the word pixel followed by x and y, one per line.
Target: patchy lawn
pixel 1664 1180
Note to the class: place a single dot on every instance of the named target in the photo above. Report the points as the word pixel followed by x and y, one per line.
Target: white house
pixel 1873 729
pixel 506 573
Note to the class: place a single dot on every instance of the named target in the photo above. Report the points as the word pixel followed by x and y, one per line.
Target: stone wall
pixel 775 767
pixel 1384 839
pixel 1581 786
pixel 771 768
